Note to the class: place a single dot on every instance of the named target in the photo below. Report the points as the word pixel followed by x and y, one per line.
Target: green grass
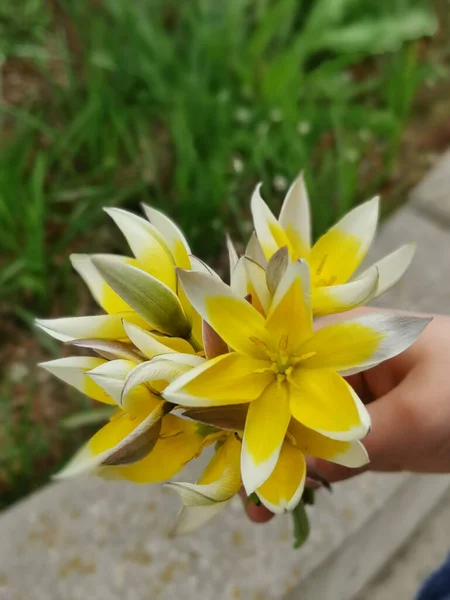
pixel 188 105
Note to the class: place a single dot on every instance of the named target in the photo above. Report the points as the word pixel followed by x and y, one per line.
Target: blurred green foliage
pixel 187 105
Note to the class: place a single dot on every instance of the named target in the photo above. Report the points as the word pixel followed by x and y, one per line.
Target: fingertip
pixel 257 514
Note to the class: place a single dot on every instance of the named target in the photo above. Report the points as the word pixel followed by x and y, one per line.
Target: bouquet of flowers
pixel 253 368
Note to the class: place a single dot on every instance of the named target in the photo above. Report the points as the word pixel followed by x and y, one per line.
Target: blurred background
pixel 186 105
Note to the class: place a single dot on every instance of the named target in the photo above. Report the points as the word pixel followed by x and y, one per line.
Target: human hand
pixel 408 398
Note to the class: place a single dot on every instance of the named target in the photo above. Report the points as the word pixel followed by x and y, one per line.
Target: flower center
pixel 282 362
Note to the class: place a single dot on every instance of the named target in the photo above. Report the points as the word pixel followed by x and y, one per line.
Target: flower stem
pixel 301 525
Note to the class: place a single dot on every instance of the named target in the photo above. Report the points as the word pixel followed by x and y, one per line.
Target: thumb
pixel 389 442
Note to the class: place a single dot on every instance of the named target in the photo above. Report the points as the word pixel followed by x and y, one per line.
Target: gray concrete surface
pixel 419 556
pixel 108 540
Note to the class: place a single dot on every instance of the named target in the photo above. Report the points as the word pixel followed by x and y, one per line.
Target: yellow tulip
pixel 282 367
pixel 335 256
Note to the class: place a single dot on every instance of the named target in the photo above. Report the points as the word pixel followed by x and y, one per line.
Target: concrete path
pixel 108 540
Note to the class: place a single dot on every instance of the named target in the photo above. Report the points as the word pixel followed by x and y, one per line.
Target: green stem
pixel 194 343
pixel 301 525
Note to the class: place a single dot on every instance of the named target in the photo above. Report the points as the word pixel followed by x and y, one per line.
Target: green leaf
pixel 301 525
pixel 150 298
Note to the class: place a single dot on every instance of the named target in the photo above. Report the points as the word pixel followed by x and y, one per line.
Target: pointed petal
pixel 270 234
pixel 311 443
pixel 337 254
pixel 111 377
pixel 362 342
pixel 284 488
pixel 150 344
pixel 233 256
pixel 147 245
pixel 110 349
pixel 295 218
pixel 249 278
pixel 231 417
pixel 105 327
pixel 219 482
pixel 172 235
pixel 239 279
pixel 193 494
pixel 226 461
pixel 322 400
pixel 227 379
pixel 391 268
pixel 119 442
pixel 276 268
pixel 159 371
pixel 179 443
pixel 199 266
pixel 331 299
pixel 148 296
pixel 234 319
pixel 261 297
pixel 105 296
pixel 254 250
pixel 267 421
pixel 73 369
pixel 193 517
pixel 289 319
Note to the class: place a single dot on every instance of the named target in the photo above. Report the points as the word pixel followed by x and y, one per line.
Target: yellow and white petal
pixel 199 266
pixel 148 296
pixel 284 488
pixel 391 268
pixel 256 274
pixel 233 256
pixel 155 374
pixel 73 369
pixel 356 344
pixel 322 400
pixel 266 425
pixel 152 345
pixel 226 461
pixel 232 378
pixel 231 417
pixel 191 518
pixel 122 441
pixel 105 296
pixel 110 349
pixel 249 278
pixel 312 443
pixel 239 279
pixel 270 233
pixel 111 376
pixel 234 319
pixel 339 252
pixel 289 320
pixel 254 251
pixel 194 494
pixel 179 442
pixel 332 299
pixel 105 327
pixel 172 234
pixel 147 245
pixel 295 218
